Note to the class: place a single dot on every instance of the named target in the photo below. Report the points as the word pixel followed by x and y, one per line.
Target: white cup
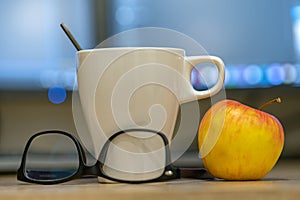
pixel 137 87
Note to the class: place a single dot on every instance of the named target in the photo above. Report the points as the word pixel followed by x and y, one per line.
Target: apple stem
pixel 277 100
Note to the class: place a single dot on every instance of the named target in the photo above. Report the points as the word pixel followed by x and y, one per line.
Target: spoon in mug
pixel 70 36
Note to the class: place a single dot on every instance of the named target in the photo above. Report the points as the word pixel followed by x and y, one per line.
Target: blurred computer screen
pixel 257 39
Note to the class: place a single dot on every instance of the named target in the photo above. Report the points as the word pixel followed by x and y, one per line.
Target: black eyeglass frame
pixel 170 172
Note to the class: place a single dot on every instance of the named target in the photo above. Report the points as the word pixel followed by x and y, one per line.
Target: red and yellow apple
pixel 237 142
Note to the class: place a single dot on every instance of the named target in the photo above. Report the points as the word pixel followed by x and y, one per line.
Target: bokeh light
pixel 253 74
pixel 290 73
pixel 227 76
pixel 197 80
pixel 275 74
pixel 233 76
pixel 210 72
pixel 57 94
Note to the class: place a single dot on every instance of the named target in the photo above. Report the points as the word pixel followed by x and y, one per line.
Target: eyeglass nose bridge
pixel 91 170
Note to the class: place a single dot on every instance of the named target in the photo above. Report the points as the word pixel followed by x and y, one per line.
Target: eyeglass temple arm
pixel 198 173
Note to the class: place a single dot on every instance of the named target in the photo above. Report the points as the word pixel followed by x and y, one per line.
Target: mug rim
pixel 130 48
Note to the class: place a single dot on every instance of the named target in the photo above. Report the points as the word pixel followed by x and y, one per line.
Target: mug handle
pixel 194 60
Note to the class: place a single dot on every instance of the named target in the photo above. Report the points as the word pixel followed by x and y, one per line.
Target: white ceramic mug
pixel 137 87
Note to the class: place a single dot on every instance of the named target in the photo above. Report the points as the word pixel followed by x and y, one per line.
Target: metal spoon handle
pixel 70 36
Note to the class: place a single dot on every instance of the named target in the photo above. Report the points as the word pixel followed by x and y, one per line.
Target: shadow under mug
pixel 137 87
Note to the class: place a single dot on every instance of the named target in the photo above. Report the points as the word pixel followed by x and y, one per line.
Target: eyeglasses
pixel 128 156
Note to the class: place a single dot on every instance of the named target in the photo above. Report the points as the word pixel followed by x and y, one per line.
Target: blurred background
pixel 259 41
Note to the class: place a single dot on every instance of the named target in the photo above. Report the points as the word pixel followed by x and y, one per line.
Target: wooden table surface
pixel 283 182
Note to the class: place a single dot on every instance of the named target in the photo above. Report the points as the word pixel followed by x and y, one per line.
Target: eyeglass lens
pixel 135 156
pixel 51 157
